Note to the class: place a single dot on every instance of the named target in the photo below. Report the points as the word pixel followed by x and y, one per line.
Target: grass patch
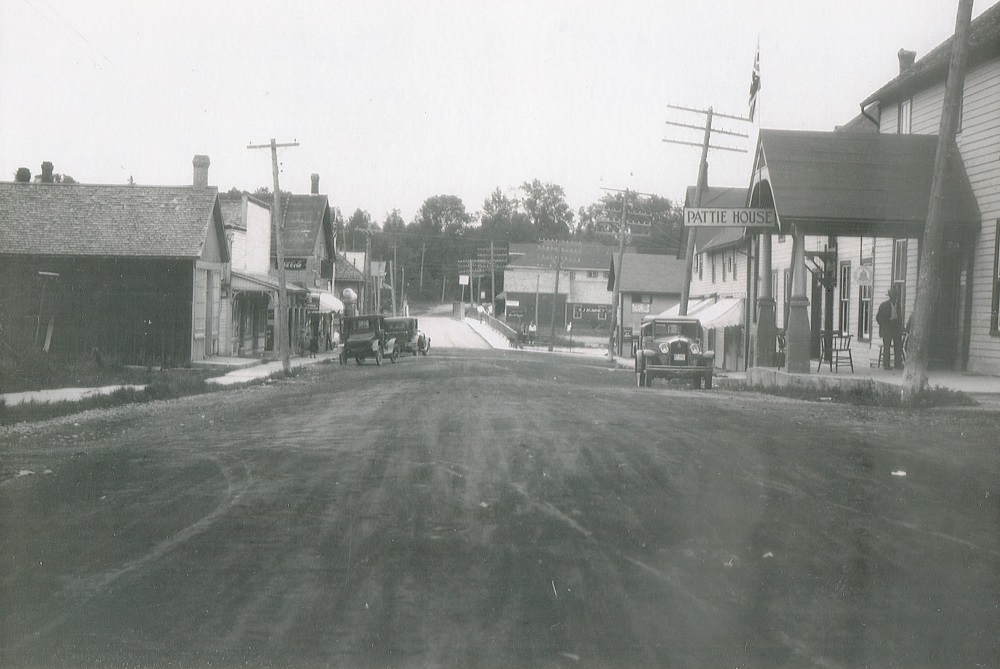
pixel 36 370
pixel 870 395
pixel 162 384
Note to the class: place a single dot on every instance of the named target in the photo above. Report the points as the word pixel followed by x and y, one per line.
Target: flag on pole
pixel 754 83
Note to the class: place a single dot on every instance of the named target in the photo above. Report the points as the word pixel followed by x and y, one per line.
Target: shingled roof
pixel 860 184
pixel 984 44
pixel 107 220
pixel 648 273
pixel 305 218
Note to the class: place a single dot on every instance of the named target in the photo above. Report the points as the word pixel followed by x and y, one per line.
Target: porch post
pixel 766 329
pixel 797 331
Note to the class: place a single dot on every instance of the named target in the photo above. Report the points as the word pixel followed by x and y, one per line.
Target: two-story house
pixel 859 198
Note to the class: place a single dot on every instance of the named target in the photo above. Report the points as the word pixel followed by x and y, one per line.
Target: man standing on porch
pixel 890 327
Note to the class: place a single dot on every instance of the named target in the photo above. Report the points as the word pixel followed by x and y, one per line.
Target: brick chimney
pixel 47 169
pixel 201 164
pixel 315 184
pixel 906 59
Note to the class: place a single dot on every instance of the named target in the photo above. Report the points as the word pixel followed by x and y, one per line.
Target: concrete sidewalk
pixel 246 369
pixel 262 371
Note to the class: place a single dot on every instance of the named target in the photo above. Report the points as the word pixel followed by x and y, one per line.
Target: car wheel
pixel 378 357
pixel 708 382
pixel 343 357
pixel 395 355
pixel 358 360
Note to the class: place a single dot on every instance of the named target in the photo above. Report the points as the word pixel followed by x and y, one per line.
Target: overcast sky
pixel 394 102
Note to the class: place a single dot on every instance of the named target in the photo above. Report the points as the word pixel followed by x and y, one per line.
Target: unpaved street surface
pixel 499 509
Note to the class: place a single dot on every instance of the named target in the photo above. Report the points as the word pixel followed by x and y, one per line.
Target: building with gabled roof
pixel 129 272
pixel 649 285
pixel 581 296
pixel 309 259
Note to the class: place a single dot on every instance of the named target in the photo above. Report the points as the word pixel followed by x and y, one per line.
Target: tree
pixel 359 220
pixel 442 214
pixel 545 204
pixel 394 222
pixel 502 220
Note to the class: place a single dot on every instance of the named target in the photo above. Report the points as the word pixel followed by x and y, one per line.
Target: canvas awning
pixel 329 303
pixel 724 313
pixel 712 312
pixel 693 307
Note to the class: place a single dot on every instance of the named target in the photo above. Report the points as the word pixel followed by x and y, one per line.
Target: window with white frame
pixel 592 274
pixel 905 117
pixel 865 304
pixel 844 286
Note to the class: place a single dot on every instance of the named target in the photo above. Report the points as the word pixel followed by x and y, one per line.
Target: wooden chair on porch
pixel 839 353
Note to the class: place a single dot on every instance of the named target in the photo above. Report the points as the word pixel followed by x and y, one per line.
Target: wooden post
pixel 616 294
pixel 278 225
pixel 555 299
pixel 929 279
pixel 689 250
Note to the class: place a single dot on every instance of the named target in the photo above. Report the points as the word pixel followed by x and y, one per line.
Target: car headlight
pixel 695 348
pixel 664 348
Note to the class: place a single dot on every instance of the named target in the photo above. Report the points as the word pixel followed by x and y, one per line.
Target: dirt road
pixel 494 509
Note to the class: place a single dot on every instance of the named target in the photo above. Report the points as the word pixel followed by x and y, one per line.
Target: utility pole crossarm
pixel 713 146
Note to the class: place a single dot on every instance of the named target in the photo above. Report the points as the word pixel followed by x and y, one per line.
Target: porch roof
pixel 837 183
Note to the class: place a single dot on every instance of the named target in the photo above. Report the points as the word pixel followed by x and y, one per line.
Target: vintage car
pixel 363 337
pixel 408 335
pixel 672 348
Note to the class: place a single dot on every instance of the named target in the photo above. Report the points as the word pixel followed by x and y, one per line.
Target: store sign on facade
pixel 724 217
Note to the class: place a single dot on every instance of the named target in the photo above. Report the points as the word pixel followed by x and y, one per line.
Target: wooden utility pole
pixel 702 184
pixel 423 249
pixel 394 243
pixel 278 225
pixel 929 278
pixel 493 278
pixel 622 233
pixel 555 299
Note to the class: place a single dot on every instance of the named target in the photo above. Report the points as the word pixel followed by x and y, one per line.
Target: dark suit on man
pixel 890 327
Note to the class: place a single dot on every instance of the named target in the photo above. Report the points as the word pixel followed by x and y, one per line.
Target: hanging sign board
pixel 726 217
pixel 463 279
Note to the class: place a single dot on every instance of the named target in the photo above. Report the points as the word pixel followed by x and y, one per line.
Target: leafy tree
pixel 394 222
pixel 442 214
pixel 359 220
pixel 663 223
pixel 548 213
pixel 502 219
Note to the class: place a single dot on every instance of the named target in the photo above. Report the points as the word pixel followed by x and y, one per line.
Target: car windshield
pixel 359 325
pixel 668 329
pixel 394 326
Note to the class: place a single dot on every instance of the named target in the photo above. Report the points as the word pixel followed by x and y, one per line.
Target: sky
pixel 392 102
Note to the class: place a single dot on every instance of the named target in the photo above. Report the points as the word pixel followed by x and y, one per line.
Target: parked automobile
pixel 364 337
pixel 673 348
pixel 408 336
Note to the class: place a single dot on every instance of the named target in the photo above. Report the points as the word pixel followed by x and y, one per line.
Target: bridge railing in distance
pixel 507 331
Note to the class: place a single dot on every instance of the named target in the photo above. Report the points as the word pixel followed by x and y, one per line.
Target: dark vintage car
pixel 672 348
pixel 363 337
pixel 408 336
